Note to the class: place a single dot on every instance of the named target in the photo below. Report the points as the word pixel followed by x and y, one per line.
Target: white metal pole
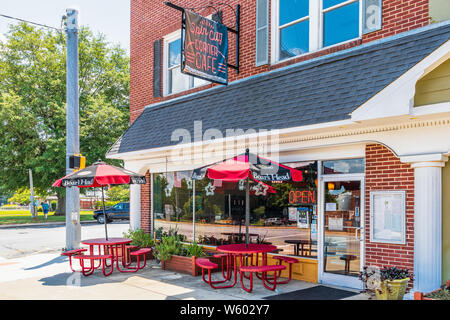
pixel 247 210
pixel 32 208
pixel 193 210
pixel 73 228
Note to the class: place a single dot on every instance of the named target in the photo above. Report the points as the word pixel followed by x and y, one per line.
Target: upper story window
pixel 302 26
pixel 293 28
pixel 174 80
pixel 340 21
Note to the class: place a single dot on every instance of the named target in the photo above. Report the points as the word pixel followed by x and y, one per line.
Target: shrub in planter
pixel 170 252
pixel 387 283
pixel 167 247
pixel 140 239
pixel 441 294
pixel 194 250
pixel 181 258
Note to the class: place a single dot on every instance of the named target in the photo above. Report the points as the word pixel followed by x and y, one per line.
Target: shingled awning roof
pixel 317 91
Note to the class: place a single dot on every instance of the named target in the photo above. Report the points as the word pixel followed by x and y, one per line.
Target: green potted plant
pixel 387 283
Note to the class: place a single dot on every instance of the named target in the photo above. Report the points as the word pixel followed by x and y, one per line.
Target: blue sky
pixel 110 17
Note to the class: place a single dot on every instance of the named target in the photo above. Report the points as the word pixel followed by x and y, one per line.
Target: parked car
pixel 273 221
pixel 120 211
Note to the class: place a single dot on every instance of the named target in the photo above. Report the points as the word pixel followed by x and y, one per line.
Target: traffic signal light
pixel 77 162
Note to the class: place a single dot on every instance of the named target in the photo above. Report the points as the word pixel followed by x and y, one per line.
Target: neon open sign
pixel 205 48
pixel 302 197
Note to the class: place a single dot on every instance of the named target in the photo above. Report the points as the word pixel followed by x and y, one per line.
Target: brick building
pixel 354 93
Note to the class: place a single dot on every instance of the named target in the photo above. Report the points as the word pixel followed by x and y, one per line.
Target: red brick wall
pixel 384 171
pixel 400 16
pixel 151 20
pixel 146 205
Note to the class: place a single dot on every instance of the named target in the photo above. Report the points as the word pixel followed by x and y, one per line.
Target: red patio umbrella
pixel 248 166
pixel 100 174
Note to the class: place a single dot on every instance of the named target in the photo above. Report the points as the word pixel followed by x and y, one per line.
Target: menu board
pixel 387 213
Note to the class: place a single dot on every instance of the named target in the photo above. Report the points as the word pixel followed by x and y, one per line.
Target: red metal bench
pixel 138 254
pixel 88 271
pixel 289 261
pixel 222 257
pixel 128 250
pixel 205 264
pixel 263 270
pixel 71 253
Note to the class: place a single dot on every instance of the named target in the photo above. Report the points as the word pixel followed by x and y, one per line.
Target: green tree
pixel 33 104
pixel 119 193
pixel 22 196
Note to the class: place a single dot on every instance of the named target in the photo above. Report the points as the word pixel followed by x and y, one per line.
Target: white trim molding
pixel 397 98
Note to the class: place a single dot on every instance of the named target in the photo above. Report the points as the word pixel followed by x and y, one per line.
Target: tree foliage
pixel 33 103
pixel 119 193
pixel 22 196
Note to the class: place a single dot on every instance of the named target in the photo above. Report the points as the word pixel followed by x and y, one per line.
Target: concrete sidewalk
pixel 47 276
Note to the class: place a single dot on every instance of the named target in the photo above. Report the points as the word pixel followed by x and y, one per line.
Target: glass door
pixel 342 221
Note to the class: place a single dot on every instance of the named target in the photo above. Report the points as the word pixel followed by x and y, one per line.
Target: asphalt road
pixel 22 241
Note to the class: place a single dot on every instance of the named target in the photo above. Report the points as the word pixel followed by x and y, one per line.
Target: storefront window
pixel 286 218
pixel 343 166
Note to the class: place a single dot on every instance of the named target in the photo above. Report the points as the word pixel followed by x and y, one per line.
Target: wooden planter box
pixel 133 258
pixel 420 296
pixel 187 265
pixel 181 264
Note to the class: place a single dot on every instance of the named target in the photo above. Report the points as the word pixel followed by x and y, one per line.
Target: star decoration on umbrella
pixel 189 183
pixel 260 189
pixel 210 189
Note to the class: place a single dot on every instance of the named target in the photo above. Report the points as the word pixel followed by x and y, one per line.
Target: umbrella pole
pixel 193 210
pixel 104 213
pixel 247 211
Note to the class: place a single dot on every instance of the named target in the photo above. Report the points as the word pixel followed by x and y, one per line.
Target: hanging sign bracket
pixel 235 30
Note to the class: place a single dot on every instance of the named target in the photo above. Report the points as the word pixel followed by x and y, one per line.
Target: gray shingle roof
pixel 317 91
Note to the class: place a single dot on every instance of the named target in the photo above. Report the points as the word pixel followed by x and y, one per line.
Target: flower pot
pixel 392 289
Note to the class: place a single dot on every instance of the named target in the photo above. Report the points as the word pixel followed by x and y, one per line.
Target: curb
pixel 44 224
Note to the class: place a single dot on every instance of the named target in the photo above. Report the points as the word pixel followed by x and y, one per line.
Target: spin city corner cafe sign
pixel 205 51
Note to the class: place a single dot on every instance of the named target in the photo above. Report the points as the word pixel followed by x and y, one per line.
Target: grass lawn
pixel 24 217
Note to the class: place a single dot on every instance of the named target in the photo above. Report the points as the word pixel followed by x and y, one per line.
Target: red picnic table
pixel 110 246
pixel 245 254
pixel 101 250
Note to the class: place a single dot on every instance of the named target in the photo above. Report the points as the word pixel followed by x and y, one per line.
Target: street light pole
pixel 73 228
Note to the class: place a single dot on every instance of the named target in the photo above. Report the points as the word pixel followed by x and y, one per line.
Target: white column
pixel 428 224
pixel 135 206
